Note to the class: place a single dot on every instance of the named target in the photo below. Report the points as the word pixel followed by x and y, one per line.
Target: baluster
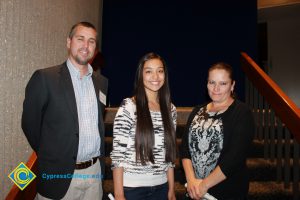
pixel 266 131
pixel 251 95
pixel 287 151
pixel 296 169
pixel 254 108
pixel 247 91
pixel 260 117
pixel 272 135
pixel 279 149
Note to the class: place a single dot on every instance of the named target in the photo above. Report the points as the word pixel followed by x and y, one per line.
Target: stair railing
pixel 278 123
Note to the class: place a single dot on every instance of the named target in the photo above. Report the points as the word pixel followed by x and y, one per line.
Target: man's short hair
pixel 85 24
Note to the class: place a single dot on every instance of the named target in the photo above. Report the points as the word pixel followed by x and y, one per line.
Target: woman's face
pixel 219 85
pixel 153 75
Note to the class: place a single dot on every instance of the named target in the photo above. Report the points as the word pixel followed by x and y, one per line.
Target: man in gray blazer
pixel 63 121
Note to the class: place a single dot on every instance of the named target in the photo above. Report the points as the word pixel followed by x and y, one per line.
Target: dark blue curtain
pixel 189 35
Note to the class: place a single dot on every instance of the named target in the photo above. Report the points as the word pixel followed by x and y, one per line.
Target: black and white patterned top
pixel 123 153
pixel 220 139
pixel 205 141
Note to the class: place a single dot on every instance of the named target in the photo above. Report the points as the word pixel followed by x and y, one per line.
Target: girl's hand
pixel 120 197
pixel 171 195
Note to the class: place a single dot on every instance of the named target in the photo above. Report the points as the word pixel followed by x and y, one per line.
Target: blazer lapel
pixel 100 84
pixel 69 91
pixel 96 84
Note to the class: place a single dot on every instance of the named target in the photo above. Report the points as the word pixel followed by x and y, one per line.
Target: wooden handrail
pixel 30 191
pixel 283 106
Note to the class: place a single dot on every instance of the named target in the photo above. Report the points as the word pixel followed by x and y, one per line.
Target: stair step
pixel 180 128
pixel 269 190
pixel 259 170
pixel 256 151
pixel 179 173
pixel 257 191
pixel 108 188
pixel 182 114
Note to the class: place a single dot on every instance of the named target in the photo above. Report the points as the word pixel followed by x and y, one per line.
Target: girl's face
pixel 219 85
pixel 153 75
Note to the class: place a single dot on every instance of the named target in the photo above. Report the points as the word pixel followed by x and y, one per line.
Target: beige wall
pixel 32 36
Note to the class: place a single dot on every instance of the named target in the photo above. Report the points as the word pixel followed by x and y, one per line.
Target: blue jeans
pixel 158 192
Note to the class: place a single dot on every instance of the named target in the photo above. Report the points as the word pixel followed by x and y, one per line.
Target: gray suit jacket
pixel 50 123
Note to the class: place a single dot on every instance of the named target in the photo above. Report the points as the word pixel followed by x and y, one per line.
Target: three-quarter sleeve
pixel 184 147
pixel 121 133
pixel 174 120
pixel 174 115
pixel 241 129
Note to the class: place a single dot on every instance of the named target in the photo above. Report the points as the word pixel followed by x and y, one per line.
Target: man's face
pixel 82 45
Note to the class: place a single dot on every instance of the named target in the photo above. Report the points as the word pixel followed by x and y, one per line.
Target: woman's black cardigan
pixel 239 131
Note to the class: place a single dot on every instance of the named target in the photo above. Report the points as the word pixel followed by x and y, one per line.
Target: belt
pixel 86 164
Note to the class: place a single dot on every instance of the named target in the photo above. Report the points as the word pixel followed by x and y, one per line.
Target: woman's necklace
pixel 211 107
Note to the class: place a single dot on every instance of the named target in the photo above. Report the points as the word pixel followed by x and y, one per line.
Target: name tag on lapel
pixel 102 97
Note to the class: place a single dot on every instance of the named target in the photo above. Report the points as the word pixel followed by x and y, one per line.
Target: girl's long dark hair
pixel 144 138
